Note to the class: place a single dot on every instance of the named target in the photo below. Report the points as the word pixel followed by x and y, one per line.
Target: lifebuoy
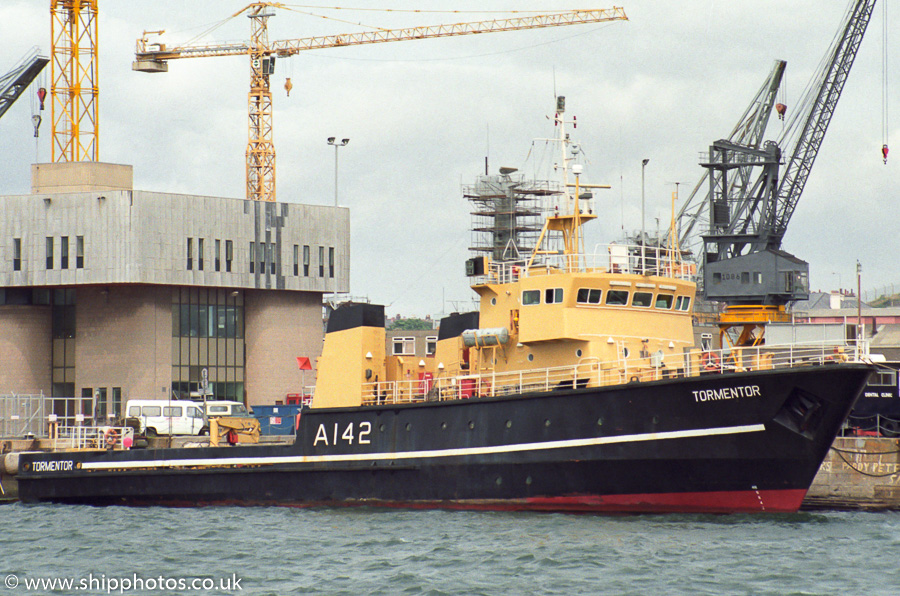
pixel 710 361
pixel 111 438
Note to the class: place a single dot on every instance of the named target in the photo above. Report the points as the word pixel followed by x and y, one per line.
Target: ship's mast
pixel 567 215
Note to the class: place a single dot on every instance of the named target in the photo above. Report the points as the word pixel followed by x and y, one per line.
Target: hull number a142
pixel 358 433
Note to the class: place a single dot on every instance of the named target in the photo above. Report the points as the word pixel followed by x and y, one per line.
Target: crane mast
pixel 154 57
pixel 743 263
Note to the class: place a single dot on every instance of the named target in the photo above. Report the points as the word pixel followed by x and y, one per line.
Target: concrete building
pixel 112 293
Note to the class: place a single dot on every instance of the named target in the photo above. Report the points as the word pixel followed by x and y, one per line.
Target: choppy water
pixel 282 551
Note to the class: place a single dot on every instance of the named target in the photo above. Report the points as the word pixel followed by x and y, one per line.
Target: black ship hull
pixel 722 443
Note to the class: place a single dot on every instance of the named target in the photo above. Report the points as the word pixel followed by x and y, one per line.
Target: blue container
pixel 276 420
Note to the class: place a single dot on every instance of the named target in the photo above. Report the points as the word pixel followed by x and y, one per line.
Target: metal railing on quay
pixel 875 425
pixel 594 373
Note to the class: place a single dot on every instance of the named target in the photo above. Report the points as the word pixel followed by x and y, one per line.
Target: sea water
pixel 66 549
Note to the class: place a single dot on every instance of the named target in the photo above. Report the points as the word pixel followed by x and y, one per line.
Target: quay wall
pixel 858 473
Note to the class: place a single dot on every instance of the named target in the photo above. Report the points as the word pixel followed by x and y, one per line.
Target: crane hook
pixel 884 152
pixel 288 86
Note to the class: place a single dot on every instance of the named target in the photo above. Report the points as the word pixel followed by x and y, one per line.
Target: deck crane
pixel 260 156
pixel 744 265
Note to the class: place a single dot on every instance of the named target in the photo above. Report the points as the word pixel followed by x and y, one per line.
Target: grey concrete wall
pixel 142 237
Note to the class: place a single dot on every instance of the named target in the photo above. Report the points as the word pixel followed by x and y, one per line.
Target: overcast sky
pixel 422 115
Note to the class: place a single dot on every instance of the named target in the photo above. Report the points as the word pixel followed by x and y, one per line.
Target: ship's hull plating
pixel 723 443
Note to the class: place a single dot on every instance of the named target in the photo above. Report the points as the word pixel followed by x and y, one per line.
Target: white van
pixel 218 408
pixel 164 417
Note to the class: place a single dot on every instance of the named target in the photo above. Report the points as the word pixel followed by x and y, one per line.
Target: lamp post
pixel 342 143
pixel 643 262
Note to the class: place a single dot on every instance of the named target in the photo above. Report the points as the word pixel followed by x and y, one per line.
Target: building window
pixel 403 346
pixel 79 252
pixel 229 253
pixel 431 345
pixel 200 254
pixel 252 257
pixel 321 261
pixel 296 260
pixel 17 254
pixel 218 255
pixel 305 261
pixel 272 259
pixel 49 253
pixel 64 252
pixel 100 409
pixel 261 255
pixel 190 253
pixel 116 405
pixel 331 261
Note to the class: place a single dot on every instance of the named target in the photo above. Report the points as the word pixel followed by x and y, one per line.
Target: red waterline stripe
pixel 751 501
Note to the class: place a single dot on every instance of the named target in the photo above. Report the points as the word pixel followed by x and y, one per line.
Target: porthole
pixel 600 421
pixel 408 427
pixel 547 422
pixel 531 358
pixel 381 428
pixel 509 424
pixel 443 425
pixel 499 481
pixel 471 425
pixel 493 302
pixel 656 420
pixel 625 352
pixel 578 353
pixel 528 481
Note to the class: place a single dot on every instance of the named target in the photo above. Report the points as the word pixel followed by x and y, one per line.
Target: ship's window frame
pixel 531 297
pixel 661 300
pixel 553 296
pixel 683 303
pixel 642 299
pixel 617 297
pixel 403 346
pixel 589 296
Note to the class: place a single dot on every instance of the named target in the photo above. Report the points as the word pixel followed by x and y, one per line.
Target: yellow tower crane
pixel 154 57
pixel 73 72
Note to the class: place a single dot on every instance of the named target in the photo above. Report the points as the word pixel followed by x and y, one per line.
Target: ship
pixel 577 386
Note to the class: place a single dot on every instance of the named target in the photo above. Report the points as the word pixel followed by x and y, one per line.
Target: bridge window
pixel 617 297
pixel 642 299
pixel 664 301
pixel 553 295
pixel 683 303
pixel 589 296
pixel 531 297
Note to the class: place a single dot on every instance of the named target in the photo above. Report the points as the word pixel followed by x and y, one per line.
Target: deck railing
pixel 612 258
pixel 594 373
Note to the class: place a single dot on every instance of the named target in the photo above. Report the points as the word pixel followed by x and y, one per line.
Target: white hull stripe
pixel 309 459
